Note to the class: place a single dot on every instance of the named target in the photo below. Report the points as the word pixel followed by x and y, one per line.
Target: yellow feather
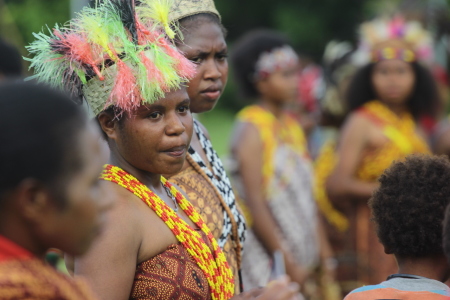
pixel 158 10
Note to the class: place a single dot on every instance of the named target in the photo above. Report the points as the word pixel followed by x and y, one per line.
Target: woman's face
pixel 155 137
pixel 73 228
pixel 393 81
pixel 205 45
pixel 280 86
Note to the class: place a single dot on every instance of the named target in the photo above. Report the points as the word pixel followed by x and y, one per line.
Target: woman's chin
pixel 202 106
pixel 172 169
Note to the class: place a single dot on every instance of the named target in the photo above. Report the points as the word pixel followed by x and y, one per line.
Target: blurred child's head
pixel 395 82
pixel 265 66
pixel 408 207
pixel 391 53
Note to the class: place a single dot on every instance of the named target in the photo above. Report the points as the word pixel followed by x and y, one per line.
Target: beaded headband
pixel 276 59
pixel 393 38
pixel 387 53
pixel 114 54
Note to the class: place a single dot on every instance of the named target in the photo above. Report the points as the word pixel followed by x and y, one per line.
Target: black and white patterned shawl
pixel 221 181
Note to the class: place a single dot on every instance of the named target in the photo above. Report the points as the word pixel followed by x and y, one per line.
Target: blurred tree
pixel 31 16
pixel 310 24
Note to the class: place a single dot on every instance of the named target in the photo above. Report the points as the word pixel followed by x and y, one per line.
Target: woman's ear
pixel 108 124
pixel 261 86
pixel 34 201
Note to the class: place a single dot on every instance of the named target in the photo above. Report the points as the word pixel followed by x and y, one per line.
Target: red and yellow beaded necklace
pixel 213 264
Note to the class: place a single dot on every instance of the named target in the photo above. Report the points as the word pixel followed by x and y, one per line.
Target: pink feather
pixel 153 73
pixel 80 50
pixel 145 36
pixel 185 68
pixel 125 93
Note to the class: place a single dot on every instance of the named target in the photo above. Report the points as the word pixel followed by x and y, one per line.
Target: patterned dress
pixel 23 276
pixel 211 194
pixel 287 186
pixel 173 274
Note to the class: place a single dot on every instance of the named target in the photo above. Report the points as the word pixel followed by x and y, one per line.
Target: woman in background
pixel 273 168
pixel 385 98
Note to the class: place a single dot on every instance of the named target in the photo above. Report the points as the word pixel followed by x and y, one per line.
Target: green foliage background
pixel 310 24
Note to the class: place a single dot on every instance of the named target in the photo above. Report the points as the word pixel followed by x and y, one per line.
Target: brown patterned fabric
pixel 202 196
pixel 173 275
pixel 185 8
pixel 32 279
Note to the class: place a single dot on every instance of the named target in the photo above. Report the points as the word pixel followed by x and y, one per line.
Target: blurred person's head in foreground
pixel 266 67
pixel 202 40
pixel 408 211
pixel 392 53
pixel 10 61
pixel 50 162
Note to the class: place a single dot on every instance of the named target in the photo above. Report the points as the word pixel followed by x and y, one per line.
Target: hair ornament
pixel 114 54
pixel 393 38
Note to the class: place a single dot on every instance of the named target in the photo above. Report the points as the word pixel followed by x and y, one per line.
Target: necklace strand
pixel 212 263
pixel 169 193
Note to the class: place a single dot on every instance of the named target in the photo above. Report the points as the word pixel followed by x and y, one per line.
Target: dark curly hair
pixel 446 234
pixel 424 99
pixel 408 207
pixel 246 53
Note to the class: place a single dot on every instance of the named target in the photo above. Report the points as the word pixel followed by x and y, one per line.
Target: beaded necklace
pixel 273 132
pixel 213 264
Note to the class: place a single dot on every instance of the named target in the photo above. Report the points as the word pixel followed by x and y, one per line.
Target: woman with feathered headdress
pixel 121 60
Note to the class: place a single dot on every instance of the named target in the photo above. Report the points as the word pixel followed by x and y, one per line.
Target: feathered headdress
pixel 114 54
pixel 393 38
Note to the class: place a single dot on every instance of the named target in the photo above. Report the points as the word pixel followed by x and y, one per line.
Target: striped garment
pixel 415 287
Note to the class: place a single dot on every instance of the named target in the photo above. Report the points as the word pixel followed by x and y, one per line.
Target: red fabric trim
pixel 370 115
pixel 10 250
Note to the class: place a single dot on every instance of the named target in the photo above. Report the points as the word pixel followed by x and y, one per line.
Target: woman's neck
pixel 275 108
pixel 151 180
pixel 398 109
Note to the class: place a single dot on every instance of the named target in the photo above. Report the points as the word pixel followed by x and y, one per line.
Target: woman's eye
pixel 183 109
pixel 196 60
pixel 222 57
pixel 154 115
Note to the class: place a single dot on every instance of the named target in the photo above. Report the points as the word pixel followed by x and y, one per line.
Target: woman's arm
pixel 110 264
pixel 342 183
pixel 248 151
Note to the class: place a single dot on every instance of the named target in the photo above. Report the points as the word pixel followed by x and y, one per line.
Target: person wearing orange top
pixel 386 97
pixel 408 210
pixel 49 192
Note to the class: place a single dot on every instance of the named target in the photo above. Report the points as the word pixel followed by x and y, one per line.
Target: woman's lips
pixel 211 94
pixel 176 151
